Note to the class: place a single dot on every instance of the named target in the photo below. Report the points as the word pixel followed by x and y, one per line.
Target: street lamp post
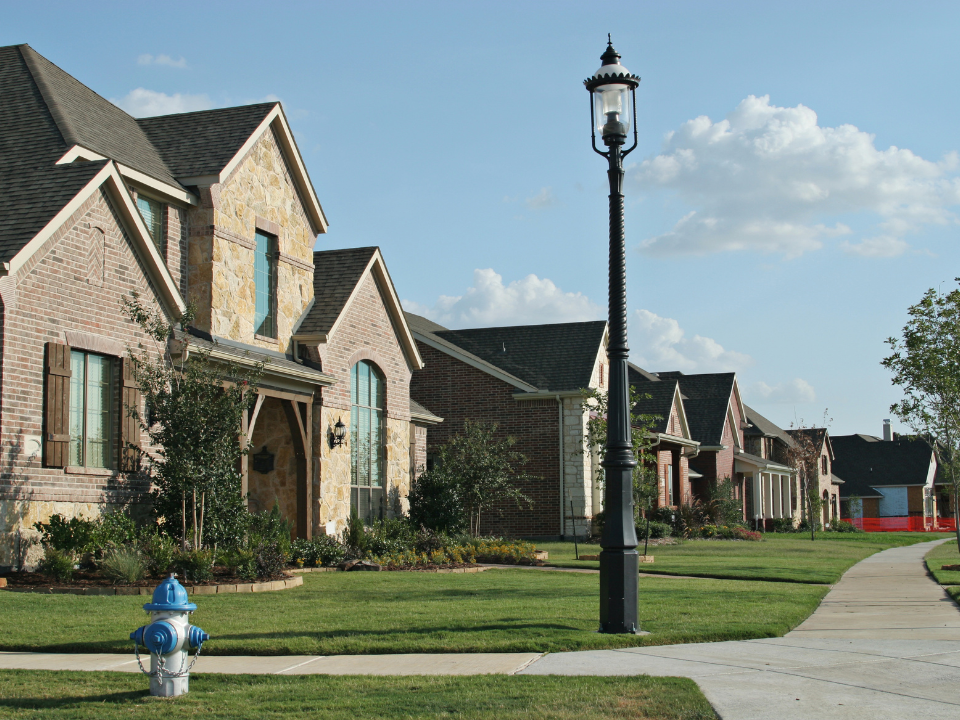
pixel 612 107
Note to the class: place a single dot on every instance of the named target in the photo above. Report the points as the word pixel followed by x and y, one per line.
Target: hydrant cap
pixel 170 596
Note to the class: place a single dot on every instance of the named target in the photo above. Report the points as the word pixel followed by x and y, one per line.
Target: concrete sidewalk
pixel 884 644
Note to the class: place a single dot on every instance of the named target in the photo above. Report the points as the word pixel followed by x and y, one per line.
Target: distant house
pixel 674 445
pixel 764 473
pixel 527 379
pixel 828 483
pixel 889 478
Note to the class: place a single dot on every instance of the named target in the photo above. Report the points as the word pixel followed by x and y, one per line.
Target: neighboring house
pixel 215 208
pixel 764 478
pixel 673 445
pixel 828 483
pixel 715 413
pixel 890 478
pixel 527 379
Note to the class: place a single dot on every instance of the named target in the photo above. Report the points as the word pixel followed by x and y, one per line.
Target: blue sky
pixel 794 191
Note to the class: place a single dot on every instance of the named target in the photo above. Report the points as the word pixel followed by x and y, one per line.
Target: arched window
pixel 366 442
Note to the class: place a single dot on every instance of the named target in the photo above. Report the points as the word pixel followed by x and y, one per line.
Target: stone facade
pixel 259 194
pixel 272 432
pixel 55 294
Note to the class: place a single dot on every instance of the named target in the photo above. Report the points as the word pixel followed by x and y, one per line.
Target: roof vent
pixel 887 431
pixel 504 351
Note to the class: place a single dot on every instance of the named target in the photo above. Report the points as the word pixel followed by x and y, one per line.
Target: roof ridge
pixel 208 111
pixel 60 119
pixel 534 325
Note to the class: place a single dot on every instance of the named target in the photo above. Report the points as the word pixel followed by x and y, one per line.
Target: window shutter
pixel 129 426
pixel 56 415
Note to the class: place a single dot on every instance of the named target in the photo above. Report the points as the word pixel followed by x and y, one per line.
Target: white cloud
pixel 772 180
pixel 660 344
pixel 490 303
pixel 882 246
pixel 148 59
pixel 146 103
pixel 543 199
pixel 791 392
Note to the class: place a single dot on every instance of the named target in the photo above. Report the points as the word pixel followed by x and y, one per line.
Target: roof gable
pixel 707 400
pixel 337 277
pixel 862 462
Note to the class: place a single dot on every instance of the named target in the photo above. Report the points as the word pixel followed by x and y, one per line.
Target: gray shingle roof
pixel 84 118
pixel 336 274
pixel 865 462
pixel 659 402
pixel 33 189
pixel 765 428
pixel 557 357
pixel 202 143
pixel 705 400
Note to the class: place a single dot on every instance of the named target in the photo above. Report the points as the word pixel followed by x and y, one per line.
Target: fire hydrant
pixel 169 638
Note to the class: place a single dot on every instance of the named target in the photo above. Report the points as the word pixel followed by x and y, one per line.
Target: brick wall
pixel 458 392
pixel 72 284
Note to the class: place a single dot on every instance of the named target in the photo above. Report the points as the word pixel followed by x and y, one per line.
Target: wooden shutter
pixel 56 414
pixel 129 426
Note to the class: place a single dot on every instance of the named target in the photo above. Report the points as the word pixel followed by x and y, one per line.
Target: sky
pixel 795 189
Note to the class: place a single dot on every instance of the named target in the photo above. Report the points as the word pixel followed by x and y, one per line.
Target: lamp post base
pixel 619 602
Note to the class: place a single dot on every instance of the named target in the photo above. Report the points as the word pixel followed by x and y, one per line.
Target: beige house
pixel 213 208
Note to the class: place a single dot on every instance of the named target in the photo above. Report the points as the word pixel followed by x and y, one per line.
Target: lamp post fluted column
pixel 612 89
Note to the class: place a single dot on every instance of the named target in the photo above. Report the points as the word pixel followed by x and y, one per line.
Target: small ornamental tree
pixel 477 470
pixel 804 457
pixel 193 413
pixel 645 476
pixel 925 363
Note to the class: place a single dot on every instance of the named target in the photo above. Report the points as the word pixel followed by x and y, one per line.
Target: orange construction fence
pixel 906 524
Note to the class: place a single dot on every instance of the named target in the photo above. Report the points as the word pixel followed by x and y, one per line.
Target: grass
pixel 36 695
pixel 372 613
pixel 945 554
pixel 778 557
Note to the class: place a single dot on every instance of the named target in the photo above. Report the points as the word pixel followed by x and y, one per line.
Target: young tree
pixel 194 408
pixel 645 477
pixel 925 363
pixel 804 456
pixel 479 470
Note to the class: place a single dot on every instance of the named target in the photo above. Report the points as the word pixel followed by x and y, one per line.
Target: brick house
pixel 764 473
pixel 527 379
pixel 214 208
pixel 828 484
pixel 892 477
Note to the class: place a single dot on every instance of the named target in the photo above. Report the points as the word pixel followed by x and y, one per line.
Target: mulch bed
pixel 87 578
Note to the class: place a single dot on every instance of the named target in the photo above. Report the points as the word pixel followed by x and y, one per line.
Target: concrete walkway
pixel 884 643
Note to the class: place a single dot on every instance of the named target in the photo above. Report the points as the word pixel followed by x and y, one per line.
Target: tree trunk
pixel 203 498
pixel 195 528
pixel 183 520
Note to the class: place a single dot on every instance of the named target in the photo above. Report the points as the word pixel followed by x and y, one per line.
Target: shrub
pixel 111 530
pixel 195 565
pixel 657 529
pixel 804 526
pixel 58 564
pixel 435 504
pixel 270 560
pixel 741 533
pixel 783 525
pixel 124 565
pixel 270 527
pixel 161 551
pixel 844 526
pixel 243 563
pixel 68 536
pixel 321 550
pixel 355 536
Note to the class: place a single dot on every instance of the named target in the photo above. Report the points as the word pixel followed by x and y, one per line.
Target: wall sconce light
pixel 339 432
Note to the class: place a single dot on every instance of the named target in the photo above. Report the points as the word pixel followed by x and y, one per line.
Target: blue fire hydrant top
pixel 170 596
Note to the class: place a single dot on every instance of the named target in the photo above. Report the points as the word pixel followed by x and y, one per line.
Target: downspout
pixel 562 468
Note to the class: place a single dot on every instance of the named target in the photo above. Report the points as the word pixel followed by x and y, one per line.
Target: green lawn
pixel 395 612
pixel 36 695
pixel 779 557
pixel 945 554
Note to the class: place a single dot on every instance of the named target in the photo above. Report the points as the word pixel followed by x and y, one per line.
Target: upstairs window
pixel 91 401
pixel 265 279
pixel 152 212
pixel 823 465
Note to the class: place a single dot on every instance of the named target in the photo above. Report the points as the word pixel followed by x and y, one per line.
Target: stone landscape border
pixel 473 569
pixel 270 586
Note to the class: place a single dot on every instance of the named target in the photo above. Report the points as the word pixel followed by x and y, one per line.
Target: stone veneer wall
pixel 273 432
pixel 72 284
pixel 397 450
pixel 259 193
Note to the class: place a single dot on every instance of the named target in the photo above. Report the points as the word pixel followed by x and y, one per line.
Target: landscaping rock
pixel 365 565
pixel 944 567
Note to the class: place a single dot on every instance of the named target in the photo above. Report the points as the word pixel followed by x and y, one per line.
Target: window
pixel 671 500
pixel 366 442
pixel 823 465
pixel 601 374
pixel 152 212
pixel 264 277
pixel 91 400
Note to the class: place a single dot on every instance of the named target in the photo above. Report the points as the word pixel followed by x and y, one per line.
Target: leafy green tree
pixel 194 408
pixel 478 470
pixel 804 456
pixel 645 477
pixel 925 363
